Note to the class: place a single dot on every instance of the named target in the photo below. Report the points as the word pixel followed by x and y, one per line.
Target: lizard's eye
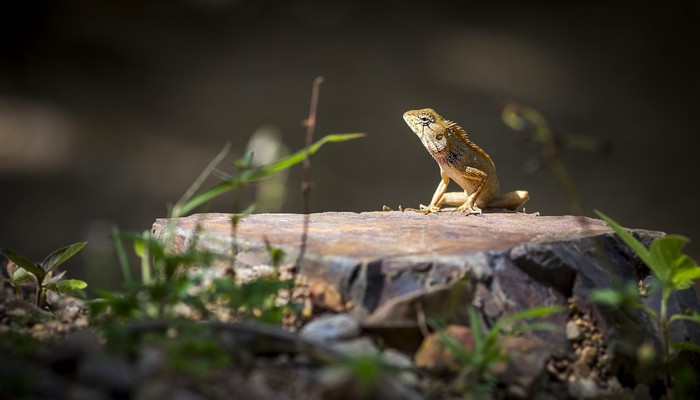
pixel 438 136
pixel 425 119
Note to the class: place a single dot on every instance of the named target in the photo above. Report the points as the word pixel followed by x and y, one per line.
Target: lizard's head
pixel 430 127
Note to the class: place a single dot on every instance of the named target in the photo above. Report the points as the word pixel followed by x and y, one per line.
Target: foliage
pixel 475 365
pixel 179 293
pixel 42 273
pixel 672 271
pixel 247 176
pixel 171 290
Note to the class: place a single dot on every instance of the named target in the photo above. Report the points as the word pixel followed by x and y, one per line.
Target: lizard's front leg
pixel 480 177
pixel 438 196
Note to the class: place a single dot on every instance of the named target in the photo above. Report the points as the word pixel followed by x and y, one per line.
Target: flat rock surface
pixel 382 235
pixel 361 260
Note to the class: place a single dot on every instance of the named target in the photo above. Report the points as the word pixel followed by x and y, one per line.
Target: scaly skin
pixel 462 161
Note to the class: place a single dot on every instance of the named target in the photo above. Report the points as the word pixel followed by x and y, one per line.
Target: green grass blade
pixel 686 346
pixel 211 193
pixel 694 317
pixel 633 243
pixel 530 313
pixel 121 256
pixel 536 326
pixel 254 175
pixel 299 156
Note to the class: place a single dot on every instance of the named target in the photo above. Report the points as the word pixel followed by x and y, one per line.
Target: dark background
pixel 110 109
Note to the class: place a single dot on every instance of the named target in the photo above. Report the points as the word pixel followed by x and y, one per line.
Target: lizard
pixel 462 161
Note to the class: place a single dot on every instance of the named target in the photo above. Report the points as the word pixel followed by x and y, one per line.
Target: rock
pixel 367 258
pixel 383 267
pixel 112 375
pixel 396 359
pixel 65 357
pixel 331 327
pixel 400 321
pixel 356 347
pixel 435 356
pixel 641 392
pixel 583 389
pixel 572 331
pixel 527 361
pixel 151 362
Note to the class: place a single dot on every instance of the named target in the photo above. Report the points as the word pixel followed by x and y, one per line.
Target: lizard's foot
pixel 428 209
pixel 466 208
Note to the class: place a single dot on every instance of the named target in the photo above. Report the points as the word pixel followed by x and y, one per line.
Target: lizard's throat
pixel 434 147
pixel 445 155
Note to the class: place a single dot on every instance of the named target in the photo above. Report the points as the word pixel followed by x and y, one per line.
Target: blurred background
pixel 109 110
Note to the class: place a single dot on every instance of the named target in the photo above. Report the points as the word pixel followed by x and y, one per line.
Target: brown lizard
pixel 462 161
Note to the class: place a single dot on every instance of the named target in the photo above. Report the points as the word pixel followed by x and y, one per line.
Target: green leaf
pixel 121 256
pixel 536 312
pixel 24 263
pixel 633 243
pixel 21 275
pixel 71 285
pixel 664 252
pixel 693 317
pixel 685 271
pixel 608 297
pixel 254 175
pixel 140 247
pixel 298 157
pixel 53 279
pixel 685 346
pixel 60 256
pixel 536 326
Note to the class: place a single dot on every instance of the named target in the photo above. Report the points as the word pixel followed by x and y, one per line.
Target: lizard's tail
pixel 512 200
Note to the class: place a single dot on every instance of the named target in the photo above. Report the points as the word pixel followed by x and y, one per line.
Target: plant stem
pixel 306 183
pixel 664 323
pixel 38 293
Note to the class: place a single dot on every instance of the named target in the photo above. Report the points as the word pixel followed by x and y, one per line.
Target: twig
pixel 306 183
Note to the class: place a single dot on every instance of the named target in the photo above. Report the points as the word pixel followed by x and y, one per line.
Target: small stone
pixel 435 356
pixel 151 361
pixel 583 389
pixel 580 369
pixel 81 392
pixel 356 346
pixel 588 355
pixel 641 392
pixel 71 312
pixel 572 331
pixel 114 375
pixel 528 363
pixel 516 392
pixel 82 322
pixel 396 358
pixel 331 327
